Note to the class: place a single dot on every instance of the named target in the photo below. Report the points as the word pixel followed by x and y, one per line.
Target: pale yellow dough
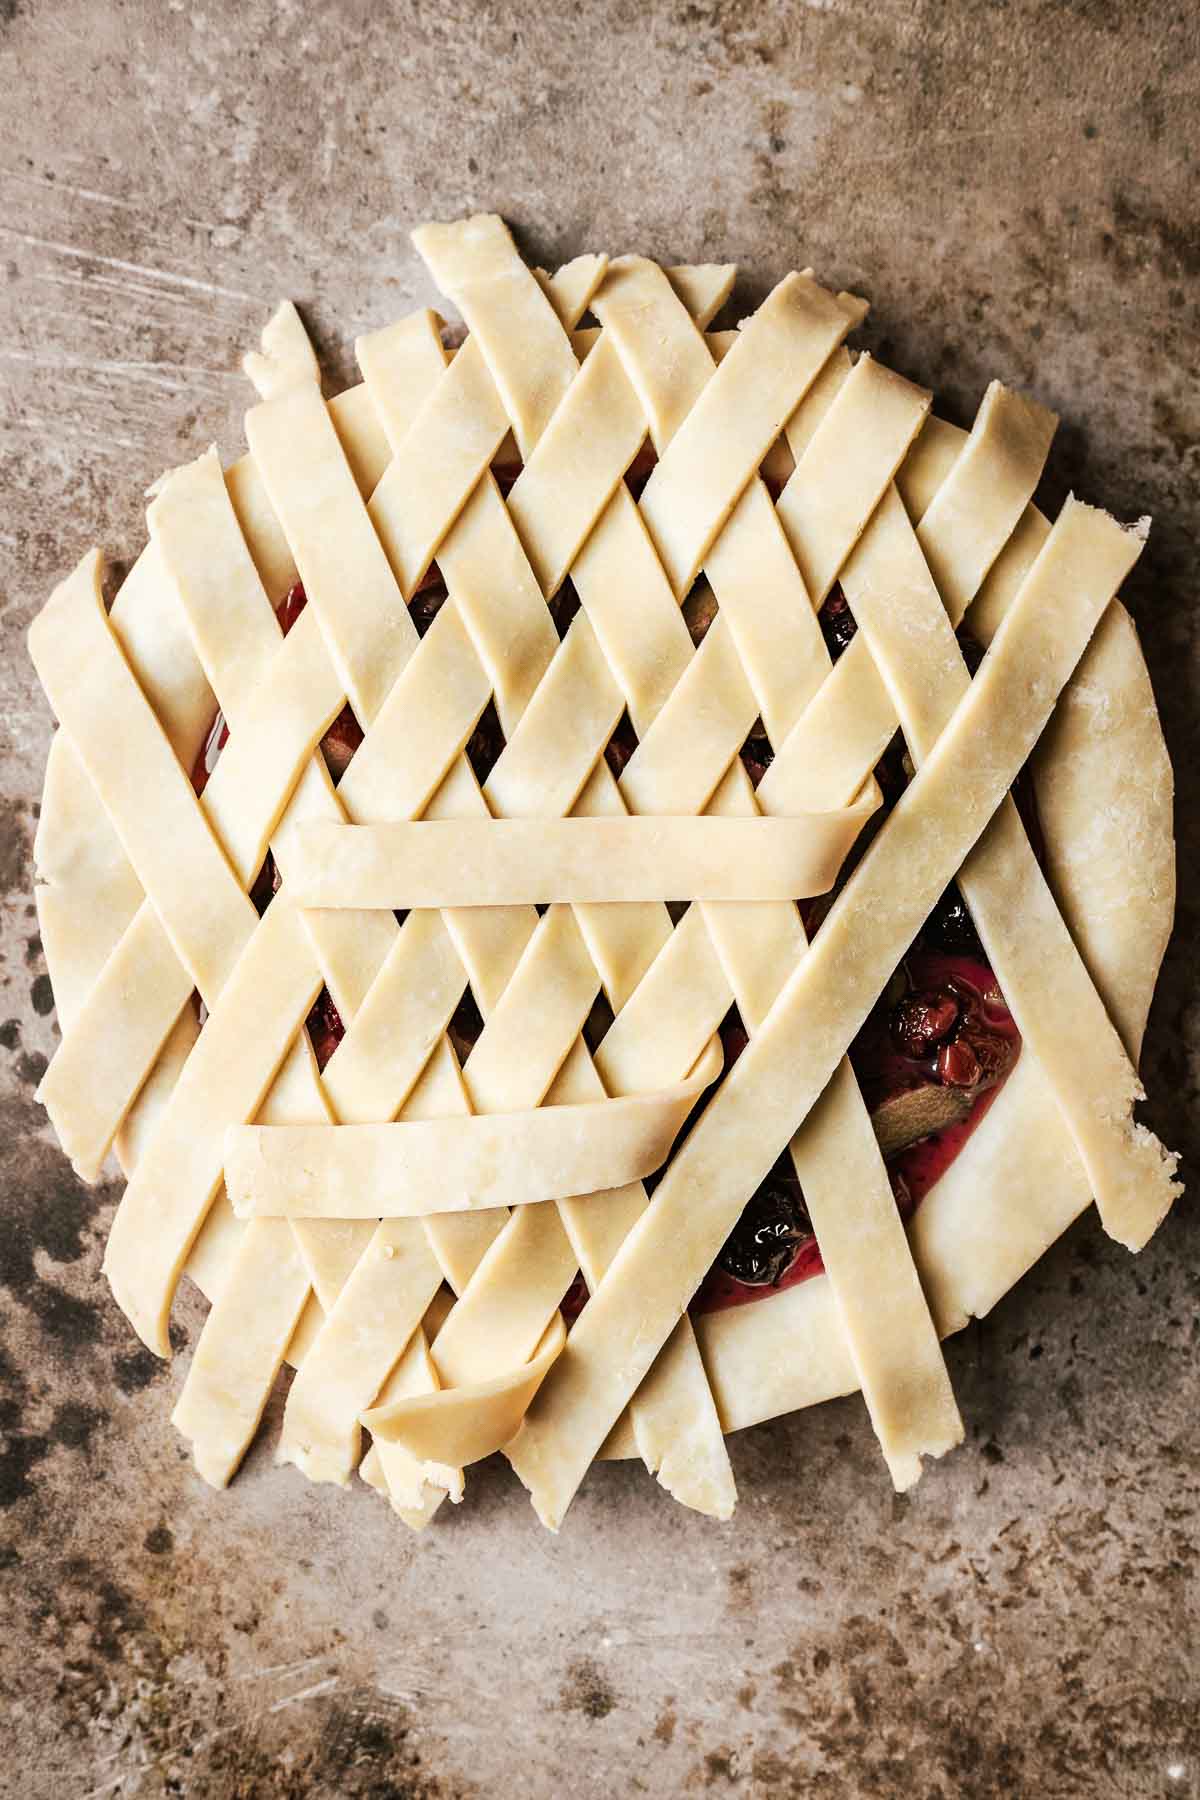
pixel 514 862
pixel 384 1260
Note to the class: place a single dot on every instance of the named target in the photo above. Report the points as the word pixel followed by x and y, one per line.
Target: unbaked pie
pixel 603 885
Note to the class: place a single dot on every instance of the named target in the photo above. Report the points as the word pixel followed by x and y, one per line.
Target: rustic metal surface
pixel 1015 188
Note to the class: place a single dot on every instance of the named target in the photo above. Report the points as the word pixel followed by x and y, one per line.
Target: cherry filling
pixel 930 1060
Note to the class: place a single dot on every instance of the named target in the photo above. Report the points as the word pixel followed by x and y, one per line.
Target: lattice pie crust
pixel 401 1227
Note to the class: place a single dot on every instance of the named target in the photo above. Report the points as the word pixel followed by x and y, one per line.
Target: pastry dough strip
pixel 455 1165
pixel 513 862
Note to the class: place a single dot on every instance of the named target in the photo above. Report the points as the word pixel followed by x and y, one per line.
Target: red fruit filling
pixel 930 1060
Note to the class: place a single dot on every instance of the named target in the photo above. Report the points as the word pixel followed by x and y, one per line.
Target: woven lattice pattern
pixel 635 524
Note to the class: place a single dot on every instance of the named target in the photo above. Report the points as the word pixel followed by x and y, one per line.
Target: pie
pixel 603 886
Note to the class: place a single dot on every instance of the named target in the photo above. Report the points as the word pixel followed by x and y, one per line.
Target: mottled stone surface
pixel 1015 187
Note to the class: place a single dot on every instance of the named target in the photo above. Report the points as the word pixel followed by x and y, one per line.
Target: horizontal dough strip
pixel 512 862
pixel 421 1166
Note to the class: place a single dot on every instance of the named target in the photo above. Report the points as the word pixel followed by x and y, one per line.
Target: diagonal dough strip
pixel 790 1060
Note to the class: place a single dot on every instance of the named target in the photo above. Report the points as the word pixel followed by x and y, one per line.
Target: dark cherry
pixel 325 1028
pixel 922 1020
pixel 950 926
pixel 958 1065
pixel 485 743
pixel 621 746
pixel 757 755
pixel 992 1052
pixel 837 621
pixel 762 1245
pixel 574 1300
pixel 425 606
pixel 734 1037
pixel 972 651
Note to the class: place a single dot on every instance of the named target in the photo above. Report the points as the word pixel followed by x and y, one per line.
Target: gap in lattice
pixel 699 610
pixel 340 743
pixel 621 745
pixel 465 1025
pixel 564 606
pixel 757 753
pixel 640 469
pixel 507 465
pixel 325 1027
pixel 485 743
pixel 837 622
pixel 777 467
pixel 734 1038
pixel 427 602
pixel 596 1025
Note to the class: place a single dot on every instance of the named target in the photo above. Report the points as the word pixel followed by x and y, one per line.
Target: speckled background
pixel 1015 187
